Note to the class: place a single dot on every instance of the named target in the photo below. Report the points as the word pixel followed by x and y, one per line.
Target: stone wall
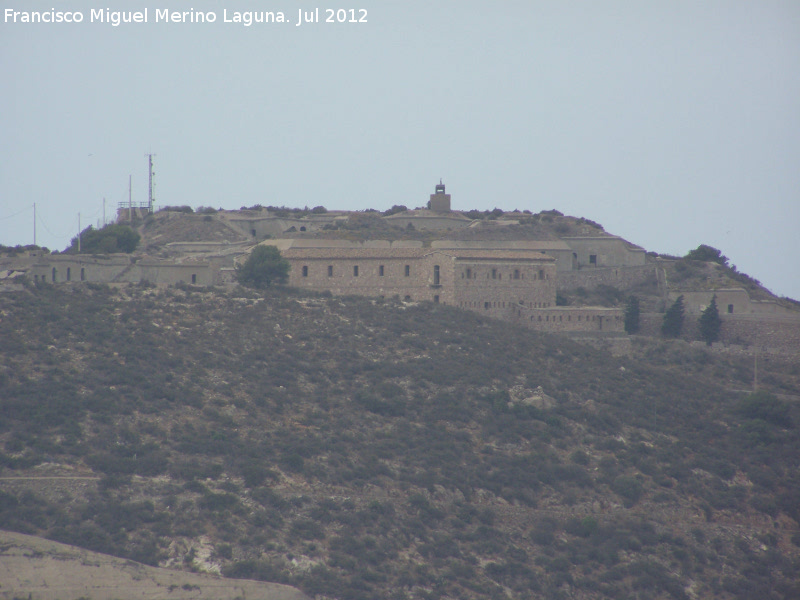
pixel 562 319
pixel 428 219
pixel 729 301
pixel 63 268
pixel 618 277
pixel 363 272
pixel 779 333
pixel 605 251
pixel 260 227
pixel 555 248
pixel 497 288
pixel 488 282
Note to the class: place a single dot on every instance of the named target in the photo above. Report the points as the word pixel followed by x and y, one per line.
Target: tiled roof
pixel 395 253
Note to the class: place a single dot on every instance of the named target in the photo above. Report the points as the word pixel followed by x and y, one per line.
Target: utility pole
pixel 755 373
pixel 79 233
pixel 150 197
pixel 104 212
pixel 130 201
pixel 34 223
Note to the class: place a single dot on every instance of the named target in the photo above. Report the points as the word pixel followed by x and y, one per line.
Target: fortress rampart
pixel 776 332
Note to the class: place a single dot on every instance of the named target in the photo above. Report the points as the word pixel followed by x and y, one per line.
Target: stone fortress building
pixel 511 279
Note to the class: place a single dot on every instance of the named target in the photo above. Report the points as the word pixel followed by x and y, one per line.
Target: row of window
pixel 468 273
pixel 473 304
pixel 54 272
pixel 83 276
pixel 569 318
pixel 381 271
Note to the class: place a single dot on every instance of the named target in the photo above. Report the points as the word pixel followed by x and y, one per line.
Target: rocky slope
pixel 359 449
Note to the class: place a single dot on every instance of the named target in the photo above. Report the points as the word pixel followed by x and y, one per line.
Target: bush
pixel 629 488
pixel 108 240
pixel 707 254
pixel 264 266
pixel 766 407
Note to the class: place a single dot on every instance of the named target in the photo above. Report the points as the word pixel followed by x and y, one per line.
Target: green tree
pixel 707 254
pixel 710 322
pixel 107 240
pixel 264 266
pixel 673 319
pixel 632 313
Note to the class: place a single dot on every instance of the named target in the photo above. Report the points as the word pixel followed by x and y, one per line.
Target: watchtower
pixel 440 202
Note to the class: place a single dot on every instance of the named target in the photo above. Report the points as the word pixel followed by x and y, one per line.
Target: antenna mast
pixel 150 197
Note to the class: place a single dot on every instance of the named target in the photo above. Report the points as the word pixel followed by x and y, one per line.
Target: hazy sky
pixel 670 123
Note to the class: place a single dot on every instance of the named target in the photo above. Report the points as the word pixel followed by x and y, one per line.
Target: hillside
pixel 362 449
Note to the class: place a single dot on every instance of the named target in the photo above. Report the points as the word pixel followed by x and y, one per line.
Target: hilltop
pixel 358 448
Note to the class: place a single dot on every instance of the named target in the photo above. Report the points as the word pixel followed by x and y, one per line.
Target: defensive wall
pixel 115 268
pixel 604 251
pixel 734 301
pixel 555 248
pixel 428 219
pixel 561 319
pixel 776 332
pixel 617 276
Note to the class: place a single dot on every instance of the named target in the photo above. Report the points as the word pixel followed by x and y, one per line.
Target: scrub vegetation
pixel 364 449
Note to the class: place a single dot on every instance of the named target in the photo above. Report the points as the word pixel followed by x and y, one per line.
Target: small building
pixel 604 251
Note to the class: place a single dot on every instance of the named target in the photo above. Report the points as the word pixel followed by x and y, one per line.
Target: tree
pixel 264 266
pixel 107 240
pixel 673 319
pixel 707 254
pixel 632 313
pixel 710 322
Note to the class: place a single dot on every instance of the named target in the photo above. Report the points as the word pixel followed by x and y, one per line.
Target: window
pixel 486 305
pixel 593 259
pixel 494 273
pixel 83 274
pixel 302 229
pixel 436 276
pixel 69 273
pixel 469 273
pixel 305 270
pixel 330 270
pixel 730 306
pixel 436 299
pixel 516 273
pixel 541 273
pixel 355 270
pixel 408 270
pixel 380 271
pixel 253 232
pixel 54 274
pixel 194 278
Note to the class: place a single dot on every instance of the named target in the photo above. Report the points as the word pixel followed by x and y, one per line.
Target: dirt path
pixel 40 569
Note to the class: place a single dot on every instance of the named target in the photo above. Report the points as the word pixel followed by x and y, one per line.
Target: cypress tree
pixel 673 319
pixel 710 322
pixel 632 313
